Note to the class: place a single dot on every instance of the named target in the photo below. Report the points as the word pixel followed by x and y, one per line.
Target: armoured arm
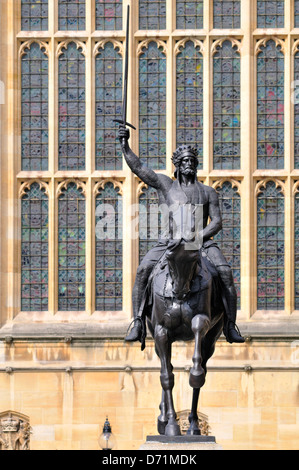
pixel 146 175
pixel 215 224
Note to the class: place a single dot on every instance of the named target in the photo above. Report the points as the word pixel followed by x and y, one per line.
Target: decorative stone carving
pixel 14 431
pixel 203 422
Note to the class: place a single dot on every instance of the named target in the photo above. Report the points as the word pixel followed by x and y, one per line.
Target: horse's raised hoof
pixel 172 429
pixel 197 377
pixel 161 426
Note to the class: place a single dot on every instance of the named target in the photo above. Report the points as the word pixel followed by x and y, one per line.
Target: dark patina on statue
pixel 182 294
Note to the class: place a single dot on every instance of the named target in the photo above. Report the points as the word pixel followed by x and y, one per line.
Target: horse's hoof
pixel 172 430
pixel 161 427
pixel 197 378
pixel 193 431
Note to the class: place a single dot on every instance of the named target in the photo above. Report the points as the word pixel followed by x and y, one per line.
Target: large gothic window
pixel 109 248
pixel 35 108
pixel 72 107
pixel 270 247
pixel 71 247
pixel 152 105
pixel 108 106
pixel 189 96
pixel 35 248
pixel 227 101
pixel 270 106
pixel 201 73
pixel 296 109
pixel 229 239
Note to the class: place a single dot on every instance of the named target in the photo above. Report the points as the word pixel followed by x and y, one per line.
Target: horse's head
pixel 182 265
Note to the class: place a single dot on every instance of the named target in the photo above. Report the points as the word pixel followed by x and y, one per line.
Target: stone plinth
pixel 180 443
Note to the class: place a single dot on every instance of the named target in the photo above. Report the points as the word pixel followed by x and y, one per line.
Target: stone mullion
pixel 248 142
pixel 52 277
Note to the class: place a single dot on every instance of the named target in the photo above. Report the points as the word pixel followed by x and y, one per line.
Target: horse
pixel 186 304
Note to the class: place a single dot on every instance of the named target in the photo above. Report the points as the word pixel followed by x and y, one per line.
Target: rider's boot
pixel 231 331
pixel 138 291
pixel 136 332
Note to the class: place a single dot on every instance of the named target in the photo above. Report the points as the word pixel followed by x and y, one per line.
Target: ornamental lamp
pixel 107 440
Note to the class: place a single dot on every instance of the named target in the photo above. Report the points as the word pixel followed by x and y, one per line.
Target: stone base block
pixel 180 443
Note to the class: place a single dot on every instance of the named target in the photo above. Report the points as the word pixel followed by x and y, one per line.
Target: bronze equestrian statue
pixel 182 294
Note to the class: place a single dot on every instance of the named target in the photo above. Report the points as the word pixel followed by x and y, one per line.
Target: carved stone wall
pixel 14 431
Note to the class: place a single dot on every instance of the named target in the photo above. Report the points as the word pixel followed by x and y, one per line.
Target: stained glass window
pixel 227 93
pixel 270 107
pixel 71 249
pixel 296 13
pixel 296 216
pixel 152 107
pixel 189 98
pixel 109 249
pixel 227 14
pixel 71 108
pixel 109 15
pixel 71 15
pixel 34 15
pixel 189 15
pixel 108 107
pixel 296 110
pixel 229 239
pixel 152 14
pixel 149 221
pixel 35 235
pixel 270 14
pixel 35 109
pixel 270 248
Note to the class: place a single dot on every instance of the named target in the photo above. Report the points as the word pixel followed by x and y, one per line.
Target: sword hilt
pixel 120 121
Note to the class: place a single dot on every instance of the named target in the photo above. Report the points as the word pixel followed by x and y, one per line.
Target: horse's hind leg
pixel 163 347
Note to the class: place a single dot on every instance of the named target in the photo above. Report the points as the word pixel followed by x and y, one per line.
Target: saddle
pixel 160 282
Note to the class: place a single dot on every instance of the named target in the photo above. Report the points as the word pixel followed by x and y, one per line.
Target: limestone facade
pixel 67 371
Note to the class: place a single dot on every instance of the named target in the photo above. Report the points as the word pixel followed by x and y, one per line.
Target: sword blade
pixel 125 89
pixel 123 121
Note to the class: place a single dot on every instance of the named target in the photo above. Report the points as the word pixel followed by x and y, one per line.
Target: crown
pixel 10 424
pixel 181 152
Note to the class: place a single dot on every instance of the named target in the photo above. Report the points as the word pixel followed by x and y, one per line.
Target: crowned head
pixel 183 153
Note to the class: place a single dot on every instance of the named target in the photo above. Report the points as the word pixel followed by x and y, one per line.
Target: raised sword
pixel 123 121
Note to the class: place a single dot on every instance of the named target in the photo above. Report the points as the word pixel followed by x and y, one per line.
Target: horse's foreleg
pixel 162 419
pixel 167 378
pixel 193 417
pixel 200 326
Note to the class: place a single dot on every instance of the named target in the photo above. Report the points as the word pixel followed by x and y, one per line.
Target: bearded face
pixel 188 165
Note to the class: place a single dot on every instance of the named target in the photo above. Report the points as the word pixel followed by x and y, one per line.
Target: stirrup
pixel 233 327
pixel 143 331
pixel 133 323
